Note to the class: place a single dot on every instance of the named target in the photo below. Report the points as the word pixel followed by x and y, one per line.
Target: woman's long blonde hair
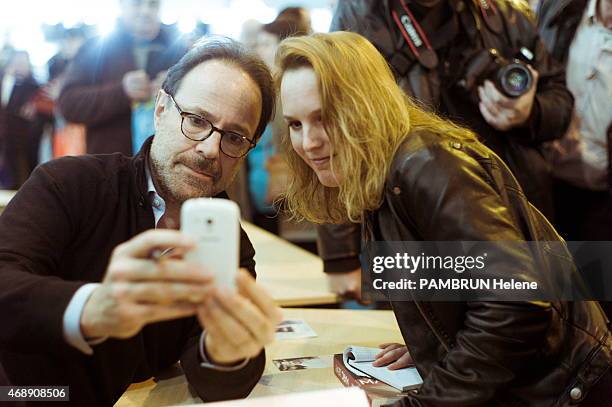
pixel 366 116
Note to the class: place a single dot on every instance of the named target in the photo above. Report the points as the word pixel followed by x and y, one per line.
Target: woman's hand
pixel 395 355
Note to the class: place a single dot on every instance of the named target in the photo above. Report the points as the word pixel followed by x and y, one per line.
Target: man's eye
pixel 234 138
pixel 198 122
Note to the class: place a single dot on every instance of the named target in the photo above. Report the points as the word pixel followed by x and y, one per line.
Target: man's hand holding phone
pixel 139 289
pixel 238 324
pixel 166 274
pixel 239 317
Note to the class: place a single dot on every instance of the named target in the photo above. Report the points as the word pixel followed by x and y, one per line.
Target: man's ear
pixel 160 106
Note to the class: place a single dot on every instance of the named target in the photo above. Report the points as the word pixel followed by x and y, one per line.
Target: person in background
pixel 60 137
pixel 48 125
pixel 299 16
pixel 201 29
pixel 69 44
pixel 6 51
pixel 239 190
pixel 266 169
pixel 111 83
pixel 557 24
pixel 579 35
pixel 17 89
pixel 359 150
pixel 440 53
pixel 271 34
pixel 91 264
pixel 248 33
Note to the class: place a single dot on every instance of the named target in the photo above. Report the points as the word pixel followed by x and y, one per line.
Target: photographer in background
pixel 478 63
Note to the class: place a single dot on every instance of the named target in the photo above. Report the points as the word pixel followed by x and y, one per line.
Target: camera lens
pixel 515 79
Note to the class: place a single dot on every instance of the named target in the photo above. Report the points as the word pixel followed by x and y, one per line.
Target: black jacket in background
pixel 436 89
pixel 16 135
pixel 93 94
pixel 57 234
pixel 558 21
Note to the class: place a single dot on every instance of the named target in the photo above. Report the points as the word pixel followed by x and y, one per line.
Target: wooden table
pixel 336 329
pixel 292 275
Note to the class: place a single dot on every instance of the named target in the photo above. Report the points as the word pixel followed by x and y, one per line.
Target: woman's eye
pixel 295 125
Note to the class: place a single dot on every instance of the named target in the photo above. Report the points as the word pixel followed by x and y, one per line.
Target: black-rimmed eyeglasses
pixel 198 128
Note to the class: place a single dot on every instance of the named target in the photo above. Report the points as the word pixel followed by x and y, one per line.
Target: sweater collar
pixel 140 164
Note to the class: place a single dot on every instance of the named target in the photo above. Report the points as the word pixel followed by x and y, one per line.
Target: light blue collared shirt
pixel 157 202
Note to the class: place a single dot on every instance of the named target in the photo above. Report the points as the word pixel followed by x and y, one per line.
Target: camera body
pixel 511 77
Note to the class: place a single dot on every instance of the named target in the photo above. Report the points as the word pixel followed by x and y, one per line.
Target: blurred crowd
pixel 536 89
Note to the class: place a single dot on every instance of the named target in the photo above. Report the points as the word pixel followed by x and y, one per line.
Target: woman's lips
pixel 319 162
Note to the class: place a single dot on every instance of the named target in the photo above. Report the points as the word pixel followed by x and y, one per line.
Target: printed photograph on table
pixel 302 363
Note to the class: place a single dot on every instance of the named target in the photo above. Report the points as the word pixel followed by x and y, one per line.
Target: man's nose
pixel 210 147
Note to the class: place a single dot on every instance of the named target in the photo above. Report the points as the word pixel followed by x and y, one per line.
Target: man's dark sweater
pixel 57 234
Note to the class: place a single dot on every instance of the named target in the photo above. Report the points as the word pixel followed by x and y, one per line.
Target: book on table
pixel 359 360
pixel 382 386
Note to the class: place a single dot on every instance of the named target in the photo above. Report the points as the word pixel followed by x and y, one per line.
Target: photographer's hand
pixel 502 112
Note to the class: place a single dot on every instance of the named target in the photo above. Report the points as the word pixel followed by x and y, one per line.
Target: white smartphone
pixel 215 225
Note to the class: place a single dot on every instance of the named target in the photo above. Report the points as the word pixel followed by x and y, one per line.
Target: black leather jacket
pixel 558 21
pixel 483 353
pixel 519 148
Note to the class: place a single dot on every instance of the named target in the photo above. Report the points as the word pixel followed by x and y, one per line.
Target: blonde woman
pixel 360 151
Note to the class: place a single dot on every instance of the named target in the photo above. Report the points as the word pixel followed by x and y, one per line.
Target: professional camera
pixel 512 78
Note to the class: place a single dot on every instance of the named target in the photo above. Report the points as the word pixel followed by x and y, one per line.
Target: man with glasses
pixel 96 294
